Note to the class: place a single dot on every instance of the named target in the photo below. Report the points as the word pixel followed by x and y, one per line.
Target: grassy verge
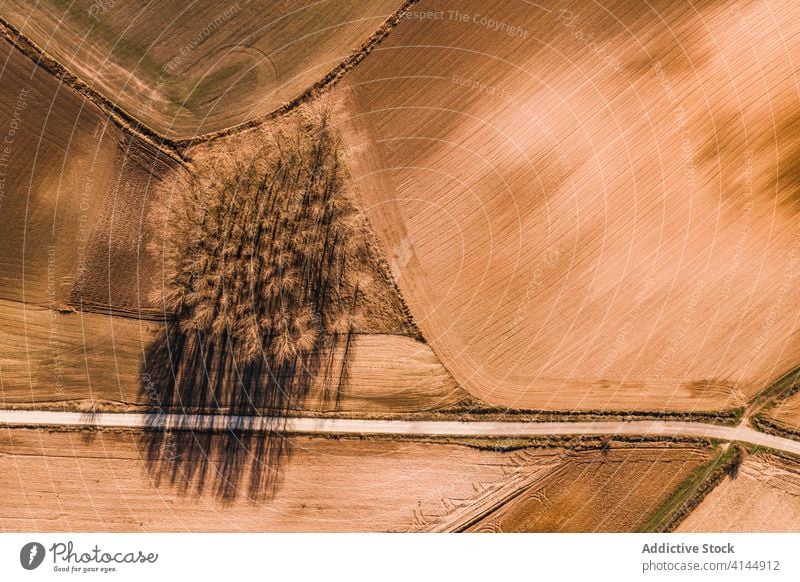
pixel 771 426
pixel 471 409
pixel 494 444
pixel 694 488
pixel 487 413
pixel 780 390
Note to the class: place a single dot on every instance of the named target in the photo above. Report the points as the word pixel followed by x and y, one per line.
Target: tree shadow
pixel 226 433
pixel 734 464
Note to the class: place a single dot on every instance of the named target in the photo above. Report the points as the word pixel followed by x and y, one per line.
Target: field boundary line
pixel 175 147
pixel 118 115
pixel 327 82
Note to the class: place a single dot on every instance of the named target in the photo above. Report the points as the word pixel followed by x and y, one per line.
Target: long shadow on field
pixel 225 432
pixel 261 306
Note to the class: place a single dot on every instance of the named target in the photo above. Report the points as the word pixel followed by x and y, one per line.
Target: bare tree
pixel 265 286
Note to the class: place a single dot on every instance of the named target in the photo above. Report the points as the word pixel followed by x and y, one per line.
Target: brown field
pixel 72 185
pixel 575 231
pixel 526 306
pixel 613 491
pixel 78 198
pixel 764 497
pixel 326 485
pixel 184 70
pixel 487 213
pixel 79 360
pixel 82 217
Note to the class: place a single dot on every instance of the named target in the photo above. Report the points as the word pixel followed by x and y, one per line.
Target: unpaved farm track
pixel 300 425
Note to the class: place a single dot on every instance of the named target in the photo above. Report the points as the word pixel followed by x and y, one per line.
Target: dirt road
pixel 400 427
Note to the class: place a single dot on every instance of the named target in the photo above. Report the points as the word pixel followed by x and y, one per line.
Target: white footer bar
pixel 406 557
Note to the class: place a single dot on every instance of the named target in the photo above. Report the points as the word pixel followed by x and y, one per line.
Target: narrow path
pixel 740 433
